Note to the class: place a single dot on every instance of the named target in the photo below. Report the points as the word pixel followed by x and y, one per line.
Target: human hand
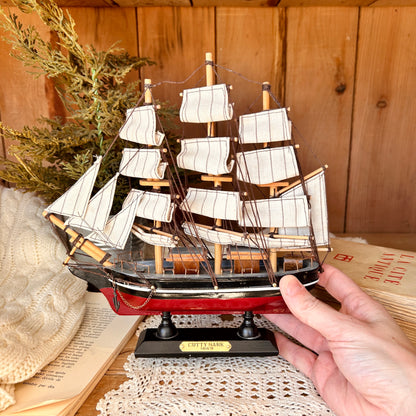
pixel 359 360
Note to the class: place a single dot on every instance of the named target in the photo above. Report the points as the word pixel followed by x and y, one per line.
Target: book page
pixel 98 341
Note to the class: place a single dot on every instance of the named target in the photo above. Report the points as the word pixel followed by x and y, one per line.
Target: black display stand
pixel 169 341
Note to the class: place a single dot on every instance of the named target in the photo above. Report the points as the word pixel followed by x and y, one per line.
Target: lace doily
pixel 212 386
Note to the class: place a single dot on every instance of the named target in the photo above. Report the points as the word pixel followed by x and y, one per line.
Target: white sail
pixel 142 163
pixel 213 203
pixel 207 155
pixel 74 201
pixel 205 104
pixel 277 241
pixel 276 212
pixel 98 209
pixel 152 205
pixel 265 126
pixel 212 235
pixel 140 126
pixel 315 188
pixel 154 239
pixel 118 228
pixel 267 165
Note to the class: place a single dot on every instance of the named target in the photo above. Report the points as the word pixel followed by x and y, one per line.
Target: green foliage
pixel 92 87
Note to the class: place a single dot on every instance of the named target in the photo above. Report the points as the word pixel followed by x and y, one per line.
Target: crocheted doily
pixel 212 386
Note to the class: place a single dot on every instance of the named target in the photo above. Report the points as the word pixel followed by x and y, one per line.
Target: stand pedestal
pixel 248 340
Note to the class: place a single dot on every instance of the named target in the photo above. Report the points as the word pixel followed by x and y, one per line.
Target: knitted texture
pixel 41 302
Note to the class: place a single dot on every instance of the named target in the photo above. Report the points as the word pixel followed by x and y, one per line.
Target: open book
pixel 61 387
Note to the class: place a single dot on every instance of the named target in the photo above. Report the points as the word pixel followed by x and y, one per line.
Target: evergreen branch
pixel 28 170
pixel 91 85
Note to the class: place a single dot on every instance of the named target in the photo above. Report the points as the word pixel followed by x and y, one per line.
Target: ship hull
pixel 141 294
pixel 133 305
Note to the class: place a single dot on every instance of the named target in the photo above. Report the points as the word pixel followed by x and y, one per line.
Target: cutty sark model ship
pixel 221 245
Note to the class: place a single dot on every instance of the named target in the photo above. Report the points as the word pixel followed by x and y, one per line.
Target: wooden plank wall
pixel 347 73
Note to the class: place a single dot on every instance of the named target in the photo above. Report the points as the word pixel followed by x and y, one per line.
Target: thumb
pixel 308 309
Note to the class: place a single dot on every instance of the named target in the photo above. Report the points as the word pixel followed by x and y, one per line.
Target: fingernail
pixel 291 286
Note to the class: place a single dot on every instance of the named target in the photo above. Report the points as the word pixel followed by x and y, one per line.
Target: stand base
pixel 204 342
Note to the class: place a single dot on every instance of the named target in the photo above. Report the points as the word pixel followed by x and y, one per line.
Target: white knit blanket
pixel 41 302
pixel 213 386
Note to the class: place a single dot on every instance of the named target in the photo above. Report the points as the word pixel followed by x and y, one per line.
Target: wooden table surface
pixel 115 375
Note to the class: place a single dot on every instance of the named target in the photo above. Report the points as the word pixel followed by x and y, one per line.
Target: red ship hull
pixel 134 305
pixel 139 294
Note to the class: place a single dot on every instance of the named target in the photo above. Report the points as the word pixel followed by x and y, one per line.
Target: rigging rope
pixel 177 187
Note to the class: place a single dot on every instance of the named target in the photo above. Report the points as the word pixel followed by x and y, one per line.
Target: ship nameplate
pixel 205 346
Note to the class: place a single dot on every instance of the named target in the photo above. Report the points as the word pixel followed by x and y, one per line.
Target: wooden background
pixel 347 73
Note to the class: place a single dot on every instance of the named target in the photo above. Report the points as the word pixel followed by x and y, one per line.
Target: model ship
pixel 220 245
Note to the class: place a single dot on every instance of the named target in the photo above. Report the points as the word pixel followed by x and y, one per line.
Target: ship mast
pixel 217 180
pixel 156 185
pixel 273 187
pixel 210 81
pixel 266 106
